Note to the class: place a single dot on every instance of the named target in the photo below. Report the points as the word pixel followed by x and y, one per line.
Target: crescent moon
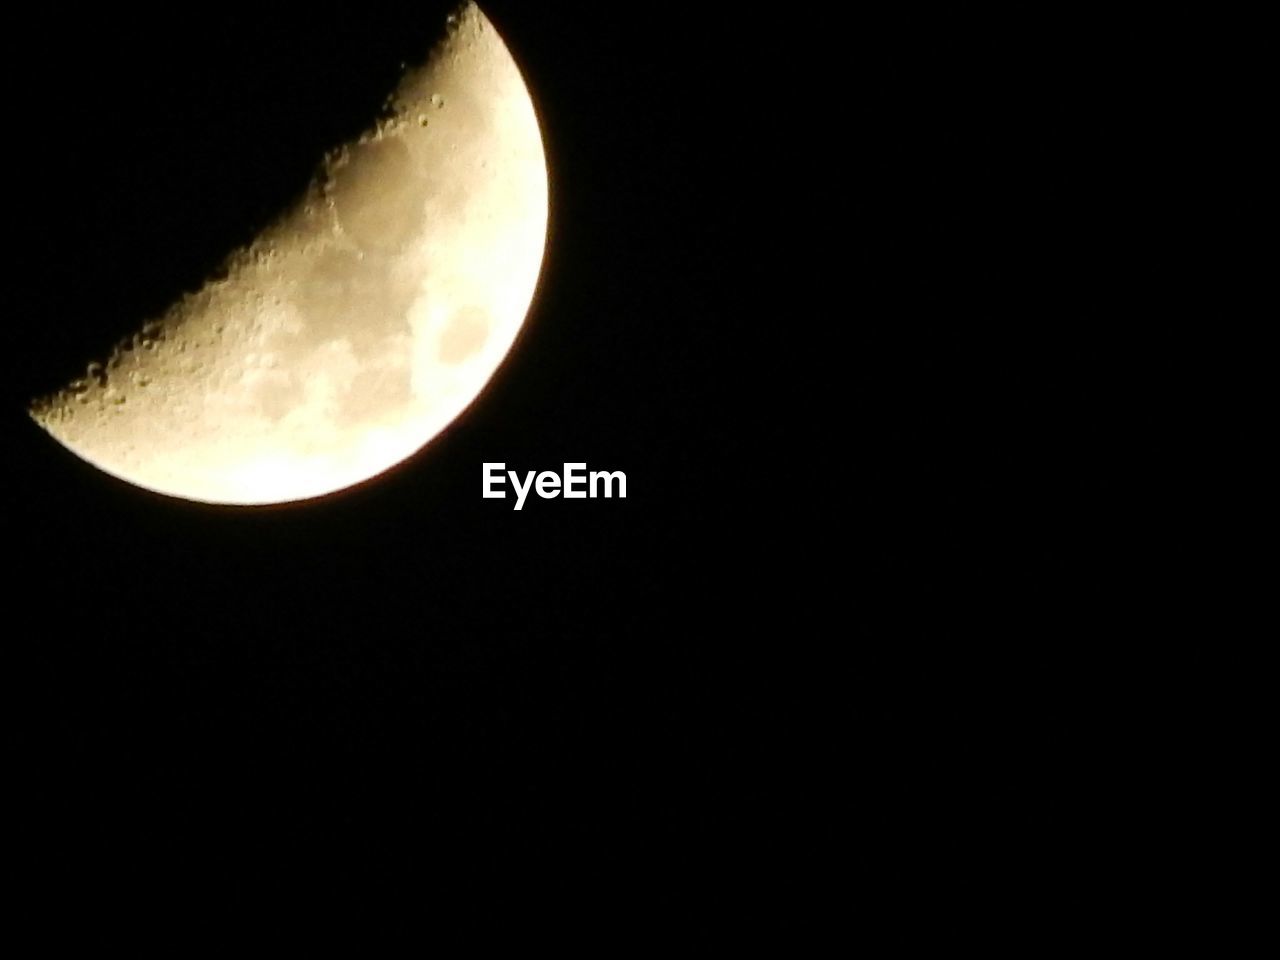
pixel 356 327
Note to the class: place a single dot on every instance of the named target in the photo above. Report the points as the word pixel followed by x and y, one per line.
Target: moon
pixel 359 324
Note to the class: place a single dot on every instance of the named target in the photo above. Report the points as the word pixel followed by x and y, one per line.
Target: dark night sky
pixel 860 313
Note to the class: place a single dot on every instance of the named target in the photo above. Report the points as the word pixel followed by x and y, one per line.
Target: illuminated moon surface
pixel 358 325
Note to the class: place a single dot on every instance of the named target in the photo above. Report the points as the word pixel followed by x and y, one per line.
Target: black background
pixel 860 307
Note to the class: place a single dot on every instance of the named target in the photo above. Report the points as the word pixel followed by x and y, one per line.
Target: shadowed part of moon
pixel 343 299
pixel 276 396
pixel 464 336
pixel 374 390
pixel 377 196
